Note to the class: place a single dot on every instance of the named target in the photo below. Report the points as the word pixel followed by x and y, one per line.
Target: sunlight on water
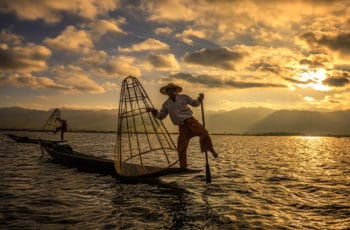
pixel 257 183
pixel 310 137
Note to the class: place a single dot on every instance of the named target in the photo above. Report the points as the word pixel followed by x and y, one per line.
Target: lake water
pixel 257 183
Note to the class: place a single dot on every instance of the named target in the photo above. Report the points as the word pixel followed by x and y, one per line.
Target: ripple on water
pixel 258 182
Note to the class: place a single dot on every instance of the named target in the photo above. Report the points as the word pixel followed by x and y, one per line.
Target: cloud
pixel 76 79
pixel 343 67
pixel 338 79
pixel 100 63
pixel 222 58
pixel 336 82
pixel 299 82
pixel 310 37
pixel 110 86
pixel 149 44
pixel 163 30
pixel 217 82
pixel 187 34
pixel 169 10
pixel 53 11
pixel 70 80
pixel 9 38
pixel 27 80
pixel 227 11
pixel 339 42
pixel 337 101
pixel 71 40
pixel 311 63
pixel 266 67
pixel 225 19
pixel 24 58
pixel 308 99
pixel 103 26
pixel 163 62
pixel 82 40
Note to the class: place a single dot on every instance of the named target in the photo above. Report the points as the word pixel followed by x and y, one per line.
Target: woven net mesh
pixel 144 146
pixel 52 123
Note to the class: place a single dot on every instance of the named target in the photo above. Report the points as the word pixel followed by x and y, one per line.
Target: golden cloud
pixel 28 80
pixel 163 30
pixel 162 61
pixel 76 80
pixel 72 40
pixel 263 20
pixel 52 11
pixel 103 26
pixel 221 82
pixel 24 58
pixel 187 35
pixel 100 63
pixel 168 10
pixel 110 86
pixel 149 44
pixel 10 38
pixel 223 58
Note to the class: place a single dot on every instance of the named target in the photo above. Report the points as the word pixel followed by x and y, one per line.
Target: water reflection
pixel 258 182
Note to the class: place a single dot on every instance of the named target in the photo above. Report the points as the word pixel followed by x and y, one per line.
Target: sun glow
pixel 310 137
pixel 314 80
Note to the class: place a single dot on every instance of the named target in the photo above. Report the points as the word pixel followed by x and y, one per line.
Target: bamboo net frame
pixel 144 145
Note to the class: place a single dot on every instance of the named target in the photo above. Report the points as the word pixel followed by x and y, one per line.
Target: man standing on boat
pixel 180 114
pixel 63 127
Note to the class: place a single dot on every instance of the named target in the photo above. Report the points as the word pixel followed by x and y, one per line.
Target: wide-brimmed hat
pixel 169 86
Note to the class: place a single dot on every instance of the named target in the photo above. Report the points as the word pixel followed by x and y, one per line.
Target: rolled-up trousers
pixel 191 128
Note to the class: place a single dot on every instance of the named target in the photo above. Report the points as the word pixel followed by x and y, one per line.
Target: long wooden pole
pixel 207 167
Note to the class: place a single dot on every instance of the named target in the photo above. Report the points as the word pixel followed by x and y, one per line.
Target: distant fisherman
pixel 180 114
pixel 63 127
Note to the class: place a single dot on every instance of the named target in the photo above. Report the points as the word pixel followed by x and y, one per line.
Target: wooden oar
pixel 207 167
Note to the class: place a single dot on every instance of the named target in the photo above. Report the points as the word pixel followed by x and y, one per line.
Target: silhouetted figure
pixel 63 128
pixel 180 114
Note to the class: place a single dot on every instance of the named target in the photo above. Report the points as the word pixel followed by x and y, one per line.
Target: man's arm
pixel 196 102
pixel 161 114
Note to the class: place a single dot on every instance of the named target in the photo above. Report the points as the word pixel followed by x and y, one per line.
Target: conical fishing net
pixel 52 123
pixel 144 146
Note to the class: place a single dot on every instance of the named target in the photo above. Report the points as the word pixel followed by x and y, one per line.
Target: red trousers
pixel 191 128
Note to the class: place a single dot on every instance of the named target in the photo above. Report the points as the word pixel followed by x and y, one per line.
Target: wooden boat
pixel 25 139
pixel 49 127
pixel 64 154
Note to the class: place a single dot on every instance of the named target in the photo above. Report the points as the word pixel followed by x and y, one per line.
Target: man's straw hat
pixel 169 86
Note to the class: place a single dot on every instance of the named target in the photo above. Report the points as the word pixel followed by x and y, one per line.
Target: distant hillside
pixel 235 121
pixel 78 120
pixel 239 121
pixel 19 118
pixel 99 120
pixel 304 122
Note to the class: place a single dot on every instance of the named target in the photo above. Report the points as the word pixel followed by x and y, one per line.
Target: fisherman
pixel 180 114
pixel 63 127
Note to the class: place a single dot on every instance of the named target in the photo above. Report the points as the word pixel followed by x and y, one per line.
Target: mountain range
pixel 249 121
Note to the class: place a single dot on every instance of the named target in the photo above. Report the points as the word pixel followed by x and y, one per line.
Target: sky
pixel 275 54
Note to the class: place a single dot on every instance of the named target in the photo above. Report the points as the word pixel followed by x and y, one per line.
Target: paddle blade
pixel 208 175
pixel 207 170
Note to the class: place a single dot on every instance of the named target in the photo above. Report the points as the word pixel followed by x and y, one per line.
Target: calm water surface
pixel 258 183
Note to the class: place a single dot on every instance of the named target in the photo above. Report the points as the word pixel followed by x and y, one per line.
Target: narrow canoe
pixel 25 139
pixel 64 154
